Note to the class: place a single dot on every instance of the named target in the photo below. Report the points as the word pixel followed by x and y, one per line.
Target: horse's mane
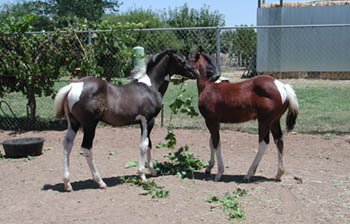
pixel 212 70
pixel 155 59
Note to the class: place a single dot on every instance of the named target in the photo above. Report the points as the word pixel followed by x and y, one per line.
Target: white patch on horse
pixel 145 79
pixel 222 79
pixel 74 93
pixel 167 78
pixel 282 90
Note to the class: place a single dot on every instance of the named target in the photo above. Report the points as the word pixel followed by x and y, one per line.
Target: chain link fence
pixel 238 50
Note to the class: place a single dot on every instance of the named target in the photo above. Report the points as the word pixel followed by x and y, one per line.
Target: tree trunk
pixel 31 105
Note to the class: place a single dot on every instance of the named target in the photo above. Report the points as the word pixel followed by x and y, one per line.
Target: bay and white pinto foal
pixel 263 98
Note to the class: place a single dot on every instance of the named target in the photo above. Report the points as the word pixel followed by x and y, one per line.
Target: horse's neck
pixel 158 76
pixel 202 81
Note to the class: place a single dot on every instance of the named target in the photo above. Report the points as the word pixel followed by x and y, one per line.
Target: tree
pixel 186 17
pixel 91 10
pixel 240 43
pixel 152 41
pixel 51 14
pixel 28 62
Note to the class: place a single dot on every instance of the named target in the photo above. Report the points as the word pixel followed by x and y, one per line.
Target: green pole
pixel 138 60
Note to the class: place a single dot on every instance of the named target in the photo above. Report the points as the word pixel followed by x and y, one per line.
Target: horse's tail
pixel 293 107
pixel 59 100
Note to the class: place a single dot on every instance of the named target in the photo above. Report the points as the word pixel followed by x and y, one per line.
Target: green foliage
pixel 229 204
pixel 182 163
pixel 241 43
pixel 29 62
pixel 33 62
pixel 48 148
pixel 131 164
pixel 89 9
pixel 185 17
pixel 149 187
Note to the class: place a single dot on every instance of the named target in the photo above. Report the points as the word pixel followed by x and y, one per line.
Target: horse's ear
pixel 199 52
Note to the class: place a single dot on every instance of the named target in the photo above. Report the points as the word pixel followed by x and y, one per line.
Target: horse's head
pixel 179 65
pixel 205 64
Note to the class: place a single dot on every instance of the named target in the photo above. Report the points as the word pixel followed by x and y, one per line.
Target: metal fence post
pixel 218 50
pixel 89 36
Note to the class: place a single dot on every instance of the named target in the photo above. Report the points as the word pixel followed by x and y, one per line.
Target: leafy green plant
pixel 30 158
pixel 182 163
pixel 111 153
pixel 229 204
pixel 48 148
pixel 149 187
pixel 131 164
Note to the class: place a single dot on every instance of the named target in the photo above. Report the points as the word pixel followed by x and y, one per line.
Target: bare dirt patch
pixel 315 188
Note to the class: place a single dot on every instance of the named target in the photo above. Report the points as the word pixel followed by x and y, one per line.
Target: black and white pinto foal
pixel 89 100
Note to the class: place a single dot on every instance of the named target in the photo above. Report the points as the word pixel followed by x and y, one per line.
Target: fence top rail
pixel 204 28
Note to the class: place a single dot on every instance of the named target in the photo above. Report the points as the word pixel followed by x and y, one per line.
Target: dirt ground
pixel 314 189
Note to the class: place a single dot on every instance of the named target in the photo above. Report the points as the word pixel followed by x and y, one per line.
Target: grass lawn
pixel 324 107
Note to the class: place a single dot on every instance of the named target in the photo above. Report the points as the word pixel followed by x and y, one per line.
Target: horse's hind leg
pixel 150 125
pixel 89 134
pixel 67 148
pixel 144 148
pixel 215 146
pixel 278 138
pixel 263 142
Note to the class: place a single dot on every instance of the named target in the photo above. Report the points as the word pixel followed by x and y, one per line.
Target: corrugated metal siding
pixel 303 49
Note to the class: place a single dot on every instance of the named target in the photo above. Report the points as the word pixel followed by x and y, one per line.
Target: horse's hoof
pixel 278 179
pixel 218 177
pixel 68 188
pixel 246 179
pixel 142 175
pixel 103 185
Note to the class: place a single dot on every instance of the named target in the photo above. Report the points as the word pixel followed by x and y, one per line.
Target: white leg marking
pixel 74 94
pixel 259 155
pixel 143 150
pixel 220 162
pixel 67 148
pixel 94 172
pixel 212 158
pixel 150 163
pixel 280 168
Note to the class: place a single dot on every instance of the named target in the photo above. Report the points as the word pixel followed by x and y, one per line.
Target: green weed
pixel 229 204
pixel 149 187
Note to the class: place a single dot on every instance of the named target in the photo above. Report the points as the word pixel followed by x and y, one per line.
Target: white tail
pixel 292 99
pixel 293 108
pixel 59 99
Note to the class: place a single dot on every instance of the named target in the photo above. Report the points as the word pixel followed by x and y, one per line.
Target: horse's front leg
pixel 215 146
pixel 212 157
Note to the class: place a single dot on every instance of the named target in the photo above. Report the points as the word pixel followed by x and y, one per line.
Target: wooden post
pixel 281 3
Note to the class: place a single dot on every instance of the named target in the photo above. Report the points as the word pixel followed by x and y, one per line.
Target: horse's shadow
pixel 239 179
pixel 86 184
pixel 114 181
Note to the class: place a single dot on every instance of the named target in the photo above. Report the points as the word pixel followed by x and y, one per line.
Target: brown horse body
pixel 89 100
pixel 263 98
